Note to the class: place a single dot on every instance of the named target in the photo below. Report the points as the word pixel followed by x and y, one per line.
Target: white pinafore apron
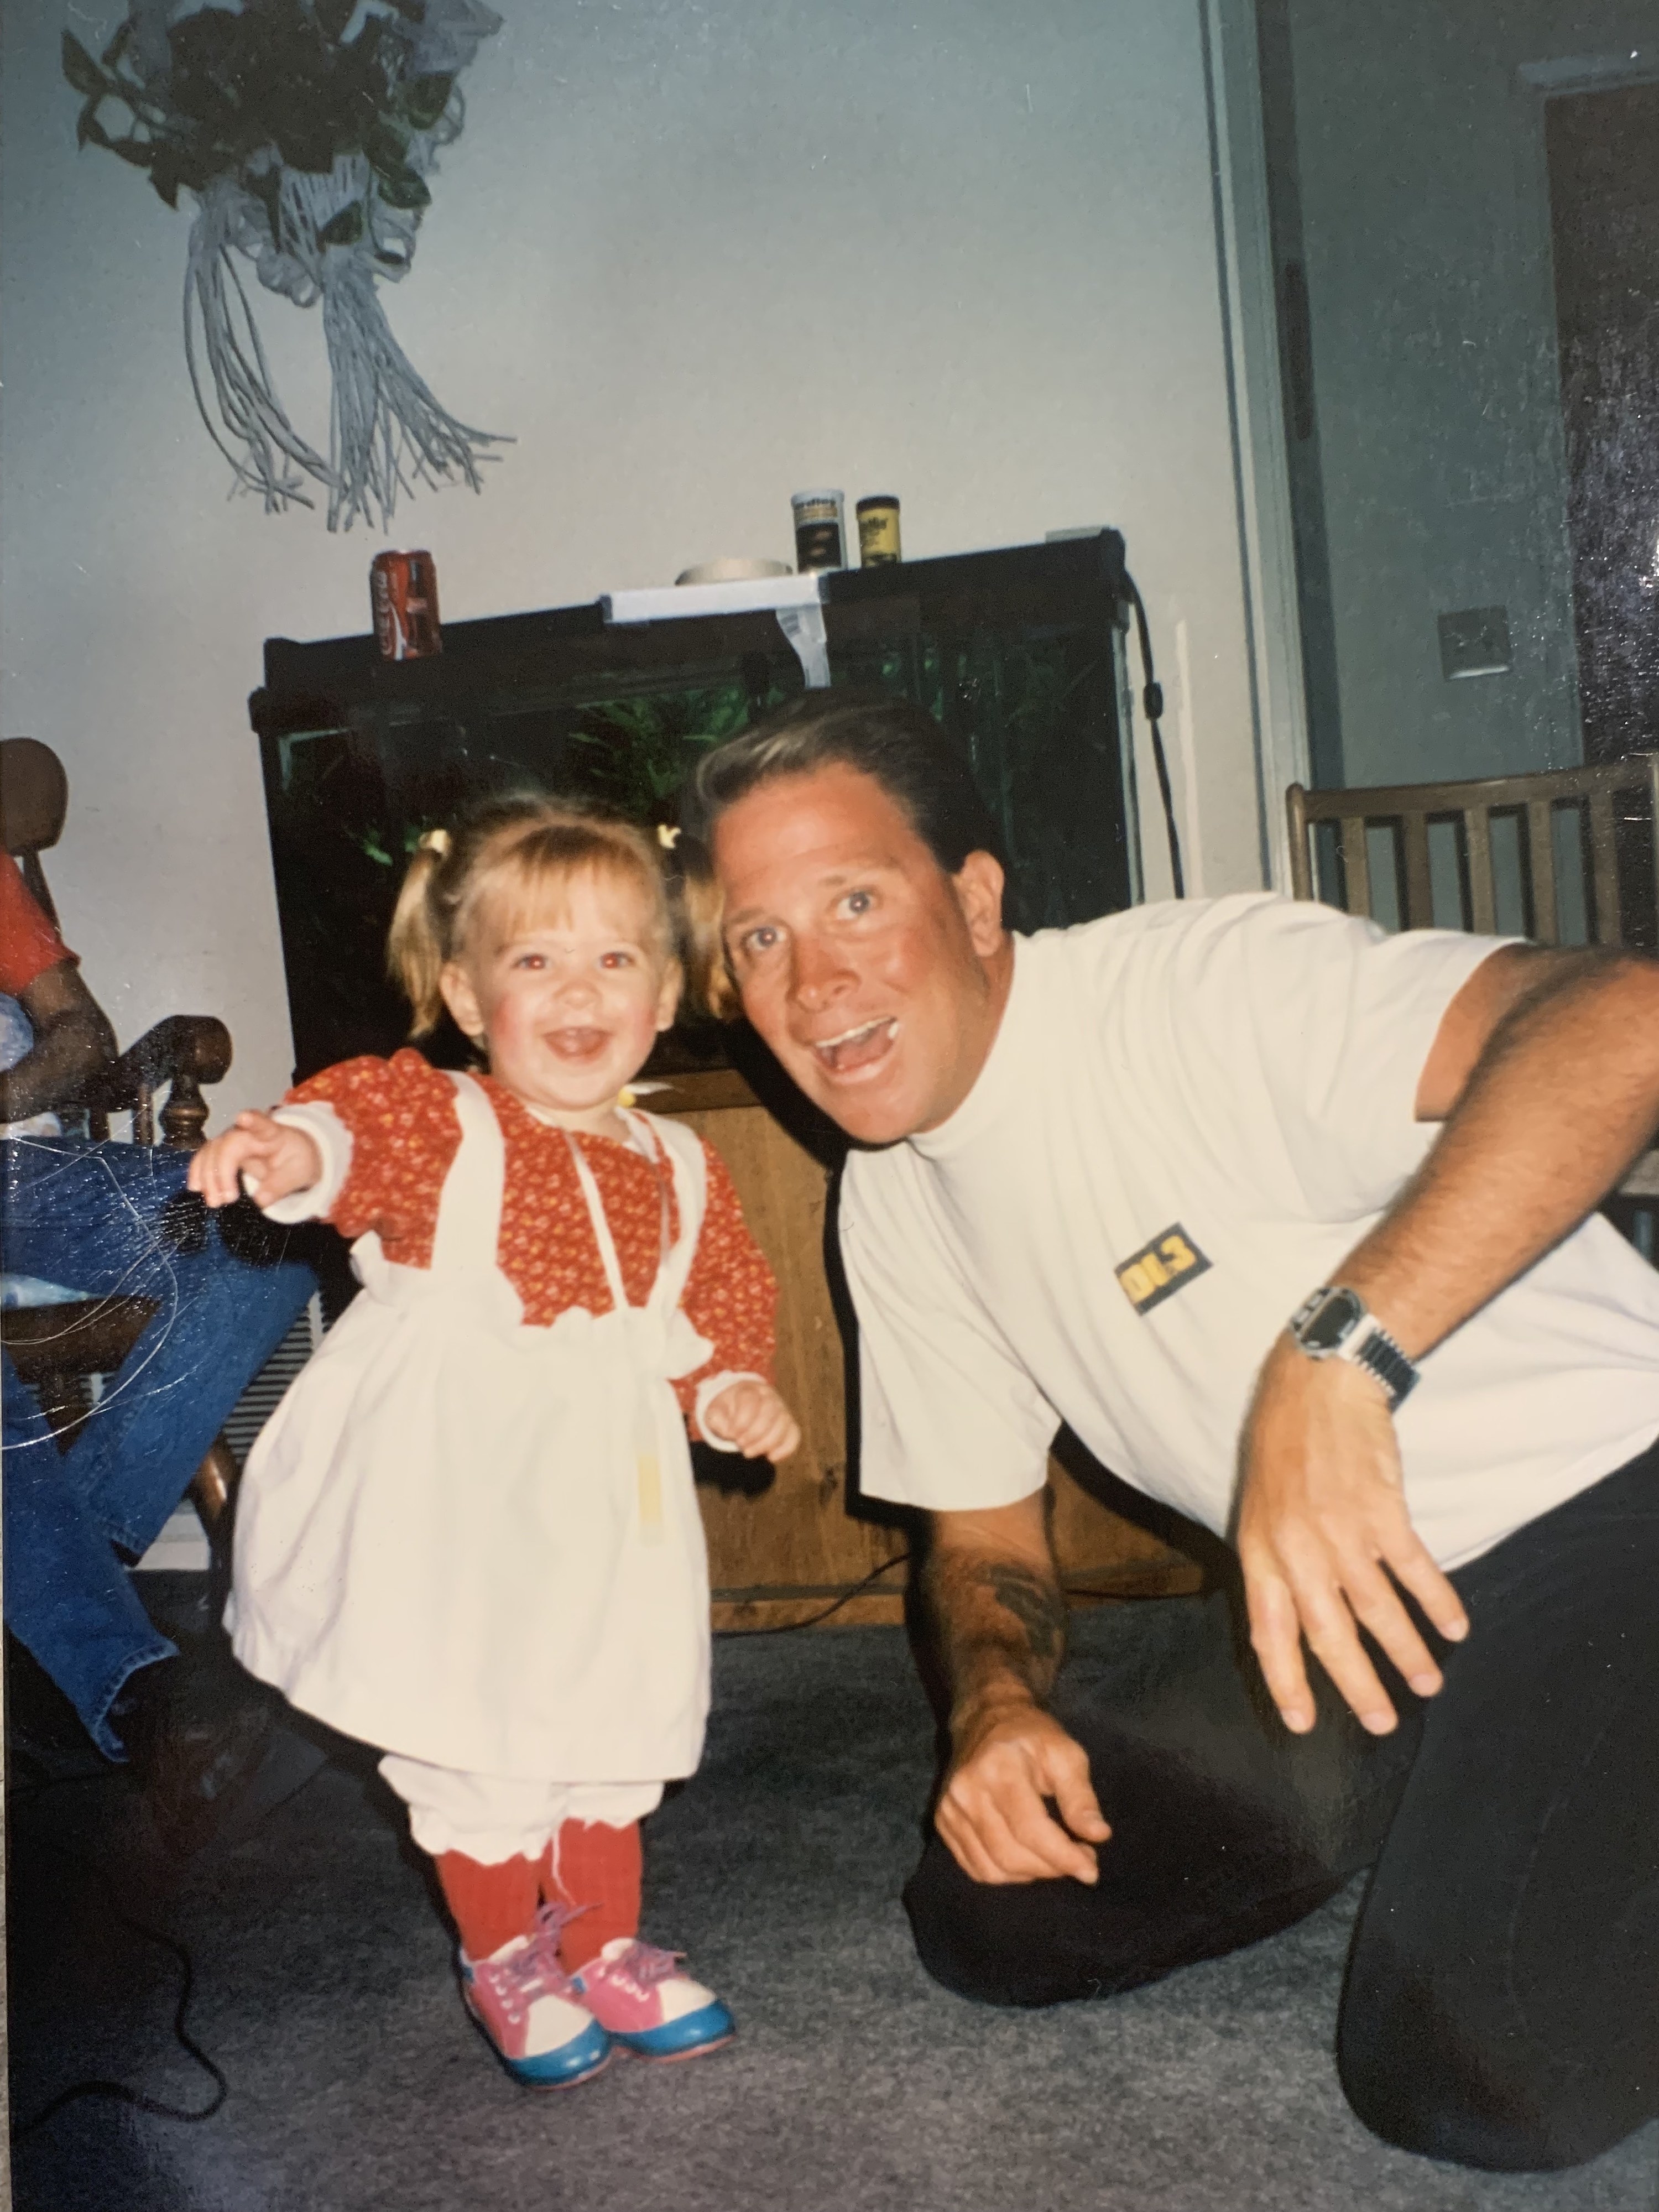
pixel 477 1543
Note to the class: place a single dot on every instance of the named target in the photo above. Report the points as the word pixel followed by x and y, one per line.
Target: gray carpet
pixel 323 1989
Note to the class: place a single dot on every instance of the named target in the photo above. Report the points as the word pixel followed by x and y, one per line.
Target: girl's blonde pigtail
pixel 414 949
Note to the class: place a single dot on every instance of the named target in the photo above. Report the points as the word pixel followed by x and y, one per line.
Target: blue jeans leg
pixel 69 1600
pixel 94 1218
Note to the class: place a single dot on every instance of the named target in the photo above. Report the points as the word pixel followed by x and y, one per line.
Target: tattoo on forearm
pixel 996 1617
pixel 1036 1604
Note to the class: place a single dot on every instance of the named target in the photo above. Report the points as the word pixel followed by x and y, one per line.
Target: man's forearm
pixel 994 1597
pixel 1564 1097
pixel 998 1616
pixel 73 1048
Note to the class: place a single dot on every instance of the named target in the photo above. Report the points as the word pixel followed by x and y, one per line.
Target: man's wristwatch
pixel 1334 1324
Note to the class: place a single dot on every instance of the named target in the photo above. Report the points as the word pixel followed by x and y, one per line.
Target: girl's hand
pixel 753 1417
pixel 271 1158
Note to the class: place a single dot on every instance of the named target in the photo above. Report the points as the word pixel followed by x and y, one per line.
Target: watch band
pixel 1334 1323
pixel 1377 1350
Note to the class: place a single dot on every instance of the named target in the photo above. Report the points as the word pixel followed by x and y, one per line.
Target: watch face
pixel 1335 1321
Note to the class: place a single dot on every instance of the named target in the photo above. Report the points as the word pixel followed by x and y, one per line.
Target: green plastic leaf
pixel 303 145
pixel 88 130
pixel 212 42
pixel 424 99
pixel 404 188
pixel 82 72
pixel 167 174
pixel 387 148
pixel 345 228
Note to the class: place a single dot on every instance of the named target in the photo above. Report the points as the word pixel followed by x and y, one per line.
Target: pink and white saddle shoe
pixel 527 2004
pixel 642 2000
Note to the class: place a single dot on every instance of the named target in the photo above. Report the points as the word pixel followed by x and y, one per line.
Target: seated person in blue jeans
pixel 95 1218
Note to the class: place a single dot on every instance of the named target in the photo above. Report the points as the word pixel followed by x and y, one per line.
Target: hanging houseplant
pixel 306 131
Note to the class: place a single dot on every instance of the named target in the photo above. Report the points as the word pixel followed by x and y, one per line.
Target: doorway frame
pixel 1250 315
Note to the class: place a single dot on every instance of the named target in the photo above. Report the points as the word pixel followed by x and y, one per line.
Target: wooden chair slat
pixel 1355 865
pixel 1302 882
pixel 1483 899
pixel 1541 870
pixel 1607 924
pixel 1419 882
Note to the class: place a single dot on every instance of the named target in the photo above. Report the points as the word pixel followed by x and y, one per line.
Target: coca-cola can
pixel 403 591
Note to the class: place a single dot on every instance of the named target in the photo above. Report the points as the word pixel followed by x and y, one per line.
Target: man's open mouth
pixel 857 1049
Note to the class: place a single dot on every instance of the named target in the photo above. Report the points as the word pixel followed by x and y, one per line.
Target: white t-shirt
pixel 1191 1113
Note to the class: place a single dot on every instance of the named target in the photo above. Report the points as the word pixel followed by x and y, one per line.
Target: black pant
pixel 1501 2007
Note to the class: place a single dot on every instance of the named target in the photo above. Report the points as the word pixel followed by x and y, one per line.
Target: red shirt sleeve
pixel 731 1294
pixel 404 1134
pixel 29 943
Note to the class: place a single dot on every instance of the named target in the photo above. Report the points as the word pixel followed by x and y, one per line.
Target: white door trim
pixel 1250 329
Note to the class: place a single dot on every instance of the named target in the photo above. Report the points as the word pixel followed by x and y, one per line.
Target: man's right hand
pixel 994 1600
pixel 992 1812
pixel 271 1159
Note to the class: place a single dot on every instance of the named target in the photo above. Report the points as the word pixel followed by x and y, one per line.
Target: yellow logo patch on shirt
pixel 1159 1269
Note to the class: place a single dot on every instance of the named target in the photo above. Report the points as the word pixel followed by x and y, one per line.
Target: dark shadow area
pixel 1207 1551
pixel 730 1474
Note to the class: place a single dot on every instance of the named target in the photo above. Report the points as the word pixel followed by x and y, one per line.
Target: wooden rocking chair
pixel 56 1348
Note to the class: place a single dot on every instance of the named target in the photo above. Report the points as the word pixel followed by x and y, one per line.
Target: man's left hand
pixel 1323 1525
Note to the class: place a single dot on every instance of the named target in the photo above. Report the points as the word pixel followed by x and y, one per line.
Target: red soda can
pixel 403 591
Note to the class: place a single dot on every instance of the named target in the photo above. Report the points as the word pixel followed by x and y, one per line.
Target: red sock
pixel 597 1866
pixel 489 1904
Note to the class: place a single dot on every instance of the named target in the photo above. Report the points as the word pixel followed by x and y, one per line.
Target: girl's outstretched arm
pixel 269 1158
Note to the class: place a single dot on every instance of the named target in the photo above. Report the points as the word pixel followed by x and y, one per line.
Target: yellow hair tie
pixel 436 841
pixel 667 836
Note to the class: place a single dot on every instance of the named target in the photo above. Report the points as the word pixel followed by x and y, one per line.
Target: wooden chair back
pixel 54 1348
pixel 180 1053
pixel 1617 808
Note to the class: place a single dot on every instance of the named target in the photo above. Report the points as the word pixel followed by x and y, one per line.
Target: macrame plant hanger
pixel 305 130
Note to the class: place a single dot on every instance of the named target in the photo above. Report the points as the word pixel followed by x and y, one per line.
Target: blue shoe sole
pixel 579 2060
pixel 689 2037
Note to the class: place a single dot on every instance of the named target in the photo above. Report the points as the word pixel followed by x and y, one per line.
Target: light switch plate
pixel 1475 641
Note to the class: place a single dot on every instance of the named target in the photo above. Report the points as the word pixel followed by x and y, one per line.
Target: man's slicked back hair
pixel 898 745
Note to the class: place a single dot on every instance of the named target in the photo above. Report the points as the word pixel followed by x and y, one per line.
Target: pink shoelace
pixel 642 1966
pixel 534 1972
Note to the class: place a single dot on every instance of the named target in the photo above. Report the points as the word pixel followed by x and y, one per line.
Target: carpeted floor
pixel 322 1989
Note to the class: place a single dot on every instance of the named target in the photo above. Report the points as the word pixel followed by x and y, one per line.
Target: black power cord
pixel 788 1627
pixel 1151 703
pixel 122 2093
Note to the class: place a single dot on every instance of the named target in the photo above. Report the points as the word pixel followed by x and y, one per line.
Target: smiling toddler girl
pixel 469 1534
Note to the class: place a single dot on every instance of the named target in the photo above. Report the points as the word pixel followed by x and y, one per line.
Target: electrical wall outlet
pixel 1475 641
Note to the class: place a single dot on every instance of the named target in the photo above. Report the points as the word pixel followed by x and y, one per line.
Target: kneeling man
pixel 1289 1221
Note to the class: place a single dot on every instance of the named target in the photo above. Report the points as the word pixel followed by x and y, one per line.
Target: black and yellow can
pixel 878 531
pixel 820 530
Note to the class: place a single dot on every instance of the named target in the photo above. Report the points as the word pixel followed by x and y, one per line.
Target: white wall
pixel 1426 207
pixel 694 256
